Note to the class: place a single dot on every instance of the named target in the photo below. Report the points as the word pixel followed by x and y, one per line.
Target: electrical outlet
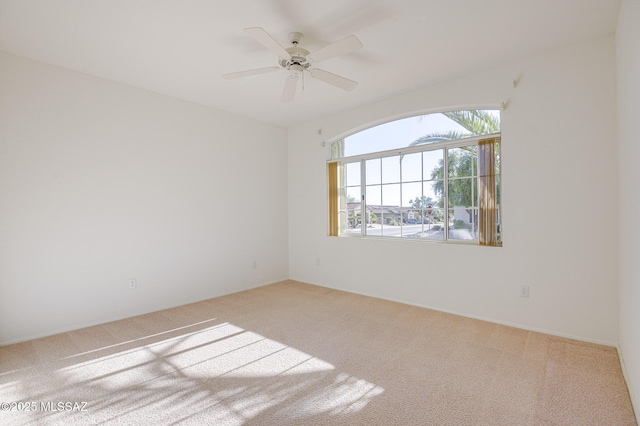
pixel 317 261
pixel 255 264
pixel 524 291
pixel 133 283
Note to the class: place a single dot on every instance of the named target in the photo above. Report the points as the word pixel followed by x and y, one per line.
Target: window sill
pixel 416 240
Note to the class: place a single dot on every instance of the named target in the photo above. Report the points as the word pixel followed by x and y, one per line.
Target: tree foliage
pixel 462 169
pixel 438 137
pixel 476 122
pixel 462 161
pixel 421 203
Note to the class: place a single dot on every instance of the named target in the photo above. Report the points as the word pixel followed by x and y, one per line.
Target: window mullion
pixel 401 208
pixel 363 202
pixel 381 202
pixel 423 208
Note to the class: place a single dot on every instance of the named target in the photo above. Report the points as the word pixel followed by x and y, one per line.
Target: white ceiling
pixel 181 47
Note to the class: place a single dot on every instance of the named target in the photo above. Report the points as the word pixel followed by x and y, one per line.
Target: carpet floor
pixel 297 354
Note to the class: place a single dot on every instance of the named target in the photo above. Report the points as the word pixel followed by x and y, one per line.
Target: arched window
pixel 434 177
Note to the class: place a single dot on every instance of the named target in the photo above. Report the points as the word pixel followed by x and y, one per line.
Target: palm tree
pixel 461 161
pixel 476 122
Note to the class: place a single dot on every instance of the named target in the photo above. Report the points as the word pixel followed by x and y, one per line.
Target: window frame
pixel 362 158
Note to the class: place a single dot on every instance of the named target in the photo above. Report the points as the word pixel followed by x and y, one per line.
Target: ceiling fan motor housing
pixel 298 58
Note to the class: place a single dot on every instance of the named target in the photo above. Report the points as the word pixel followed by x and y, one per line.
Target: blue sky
pixel 397 134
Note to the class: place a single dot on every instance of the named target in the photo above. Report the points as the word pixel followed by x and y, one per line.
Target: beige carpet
pixel 296 354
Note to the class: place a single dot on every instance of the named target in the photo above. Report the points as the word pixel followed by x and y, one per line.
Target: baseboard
pixel 632 395
pixel 480 318
pixel 108 320
pixel 528 328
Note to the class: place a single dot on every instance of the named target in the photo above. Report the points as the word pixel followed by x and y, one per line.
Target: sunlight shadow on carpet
pixel 223 370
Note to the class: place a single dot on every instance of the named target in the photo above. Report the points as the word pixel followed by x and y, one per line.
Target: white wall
pixel 628 66
pixel 559 151
pixel 101 182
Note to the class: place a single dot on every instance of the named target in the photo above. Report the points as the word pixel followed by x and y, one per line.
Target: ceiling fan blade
pixel 340 47
pixel 333 79
pixel 290 86
pixel 262 37
pixel 248 73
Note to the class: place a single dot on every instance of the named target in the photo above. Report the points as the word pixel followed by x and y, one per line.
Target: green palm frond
pixel 477 122
pixel 439 137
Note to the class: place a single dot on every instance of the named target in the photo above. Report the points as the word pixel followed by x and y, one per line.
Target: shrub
pixel 458 224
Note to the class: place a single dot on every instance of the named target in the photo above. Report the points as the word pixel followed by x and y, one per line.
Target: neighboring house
pixel 394 213
pixel 465 214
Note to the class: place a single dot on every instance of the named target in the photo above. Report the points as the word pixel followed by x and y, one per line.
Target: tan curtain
pixel 488 214
pixel 332 170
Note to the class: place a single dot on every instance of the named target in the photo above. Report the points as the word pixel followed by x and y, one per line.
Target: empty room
pixel 279 212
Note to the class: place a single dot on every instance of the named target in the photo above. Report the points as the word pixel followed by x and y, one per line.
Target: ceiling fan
pixel 297 60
